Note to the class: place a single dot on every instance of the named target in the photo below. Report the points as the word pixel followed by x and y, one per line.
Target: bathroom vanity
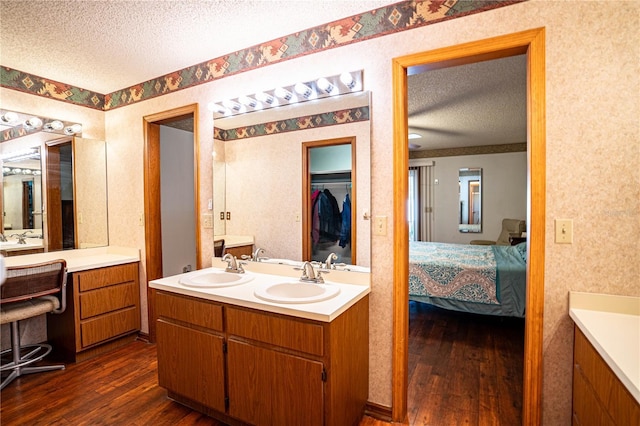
pixel 606 373
pixel 103 301
pixel 244 360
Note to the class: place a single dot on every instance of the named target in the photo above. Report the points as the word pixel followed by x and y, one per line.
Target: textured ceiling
pixel 470 105
pixel 106 46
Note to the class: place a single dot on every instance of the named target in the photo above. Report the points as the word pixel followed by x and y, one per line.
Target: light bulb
pixel 247 101
pixel 347 79
pixel 303 89
pixel 214 107
pixel 32 123
pixel 232 105
pixel 266 98
pixel 283 93
pixel 54 125
pixel 324 85
pixel 9 117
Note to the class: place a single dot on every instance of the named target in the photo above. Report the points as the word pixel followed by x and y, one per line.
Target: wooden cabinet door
pixel 267 387
pixel 191 364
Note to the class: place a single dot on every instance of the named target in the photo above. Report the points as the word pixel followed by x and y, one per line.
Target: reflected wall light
pixel 283 93
pixel 266 98
pixel 325 85
pixel 55 125
pixel 303 90
pixel 32 123
pixel 72 130
pixel 347 79
pixel 8 117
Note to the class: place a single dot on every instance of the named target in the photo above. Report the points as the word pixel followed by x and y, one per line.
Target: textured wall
pixel 593 158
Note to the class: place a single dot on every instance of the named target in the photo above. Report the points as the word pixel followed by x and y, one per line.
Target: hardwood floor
pixel 464 369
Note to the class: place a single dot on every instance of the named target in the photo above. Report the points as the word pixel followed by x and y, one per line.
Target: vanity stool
pixel 29 291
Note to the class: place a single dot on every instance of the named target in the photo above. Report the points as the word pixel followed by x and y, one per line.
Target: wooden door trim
pixel 532 43
pixel 306 192
pixel 152 217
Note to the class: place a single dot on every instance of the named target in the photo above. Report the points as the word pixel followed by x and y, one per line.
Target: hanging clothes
pixel 315 218
pixel 329 217
pixel 345 229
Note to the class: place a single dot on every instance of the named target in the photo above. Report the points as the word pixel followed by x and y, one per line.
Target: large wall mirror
pixel 470 200
pixel 258 180
pixel 54 194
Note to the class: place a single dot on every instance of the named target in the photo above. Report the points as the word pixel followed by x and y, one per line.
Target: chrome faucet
pixel 328 264
pixel 309 274
pixel 232 264
pixel 21 237
pixel 3 238
pixel 255 256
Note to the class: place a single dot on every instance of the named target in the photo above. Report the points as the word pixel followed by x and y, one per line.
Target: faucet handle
pixel 319 279
pixel 245 257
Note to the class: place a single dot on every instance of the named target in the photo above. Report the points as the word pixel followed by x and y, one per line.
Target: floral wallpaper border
pixel 305 122
pixel 401 16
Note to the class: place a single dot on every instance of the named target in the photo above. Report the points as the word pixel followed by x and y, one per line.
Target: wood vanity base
pixel 247 366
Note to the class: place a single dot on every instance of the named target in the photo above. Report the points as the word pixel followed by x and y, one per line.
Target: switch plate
pixel 297 217
pixel 564 231
pixel 380 225
pixel 207 221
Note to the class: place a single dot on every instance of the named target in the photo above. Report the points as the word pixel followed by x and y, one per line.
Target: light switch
pixel 208 221
pixel 564 231
pixel 380 225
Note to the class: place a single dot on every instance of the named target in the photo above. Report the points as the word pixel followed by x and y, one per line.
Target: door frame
pixel 531 43
pixel 152 206
pixel 306 192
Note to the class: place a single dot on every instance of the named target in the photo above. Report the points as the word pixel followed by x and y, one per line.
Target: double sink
pixel 285 291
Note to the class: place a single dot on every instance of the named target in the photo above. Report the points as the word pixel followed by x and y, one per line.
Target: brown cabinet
pixel 599 397
pixel 103 311
pixel 240 250
pixel 278 369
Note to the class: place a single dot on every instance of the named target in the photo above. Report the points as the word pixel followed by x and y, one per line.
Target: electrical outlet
pixel 207 220
pixel 564 231
pixel 380 225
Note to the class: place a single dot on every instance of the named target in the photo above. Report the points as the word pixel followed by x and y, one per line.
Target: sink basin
pixel 297 292
pixel 215 279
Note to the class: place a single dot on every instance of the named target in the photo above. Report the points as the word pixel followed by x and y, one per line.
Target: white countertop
pixel 243 294
pixel 82 259
pixel 235 240
pixel 612 325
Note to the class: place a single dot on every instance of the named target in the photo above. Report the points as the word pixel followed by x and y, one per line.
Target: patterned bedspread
pixel 453 271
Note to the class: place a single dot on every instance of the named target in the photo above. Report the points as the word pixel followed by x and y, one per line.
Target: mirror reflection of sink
pixel 297 292
pixel 215 279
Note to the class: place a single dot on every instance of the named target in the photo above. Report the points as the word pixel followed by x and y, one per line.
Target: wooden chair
pixel 218 248
pixel 29 291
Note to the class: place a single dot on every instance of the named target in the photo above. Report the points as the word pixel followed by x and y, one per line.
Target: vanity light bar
pixel 347 82
pixel 15 124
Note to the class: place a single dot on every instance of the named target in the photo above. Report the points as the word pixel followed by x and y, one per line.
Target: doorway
pixel 329 204
pixel 153 189
pixel 530 43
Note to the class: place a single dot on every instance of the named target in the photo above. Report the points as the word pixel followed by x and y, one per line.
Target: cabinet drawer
pixel 109 325
pixel 608 389
pixel 276 330
pixel 102 277
pixel 107 299
pixel 189 310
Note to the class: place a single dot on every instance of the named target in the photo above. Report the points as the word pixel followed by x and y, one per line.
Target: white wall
pixel 504 194
pixel 177 200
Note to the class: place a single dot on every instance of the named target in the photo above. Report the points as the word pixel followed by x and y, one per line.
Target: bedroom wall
pixel 592 86
pixel 504 194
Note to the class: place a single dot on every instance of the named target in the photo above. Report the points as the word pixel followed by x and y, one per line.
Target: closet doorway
pixel 329 205
pixel 154 188
pixel 531 43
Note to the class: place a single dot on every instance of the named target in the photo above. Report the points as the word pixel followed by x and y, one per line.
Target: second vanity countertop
pixel 82 259
pixel 612 325
pixel 243 294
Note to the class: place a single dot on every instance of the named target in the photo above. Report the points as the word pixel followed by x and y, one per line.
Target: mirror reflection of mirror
pixel 470 200
pixel 263 176
pixel 24 195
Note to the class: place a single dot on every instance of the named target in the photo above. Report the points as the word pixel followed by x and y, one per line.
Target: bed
pixel 489 280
